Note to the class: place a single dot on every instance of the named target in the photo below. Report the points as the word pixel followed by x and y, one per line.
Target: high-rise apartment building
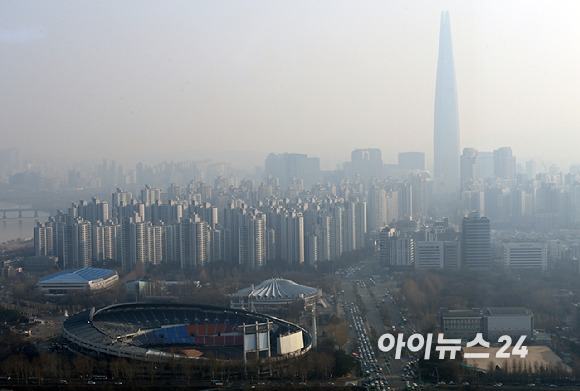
pixel 43 240
pixel 405 200
pixel 290 238
pixel 361 224
pixel 349 227
pixel 253 241
pixel 446 128
pixel 336 232
pixel 396 248
pixel 82 250
pixel 469 167
pixel 93 211
pixel 105 241
pixel 377 209
pixel 504 163
pixel 485 164
pixel 322 231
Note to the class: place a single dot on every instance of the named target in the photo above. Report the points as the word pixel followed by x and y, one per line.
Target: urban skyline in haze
pixel 212 80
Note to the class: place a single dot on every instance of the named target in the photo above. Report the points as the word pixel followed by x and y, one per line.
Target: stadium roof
pixel 81 275
pixel 276 289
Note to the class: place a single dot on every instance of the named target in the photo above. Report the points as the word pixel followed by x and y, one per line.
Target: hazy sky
pixel 190 79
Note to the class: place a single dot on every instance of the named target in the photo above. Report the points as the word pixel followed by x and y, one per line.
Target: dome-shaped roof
pixel 277 289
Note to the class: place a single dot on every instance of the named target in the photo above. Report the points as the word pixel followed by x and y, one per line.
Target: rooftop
pixel 462 313
pixel 508 311
pixel 277 288
pixel 80 275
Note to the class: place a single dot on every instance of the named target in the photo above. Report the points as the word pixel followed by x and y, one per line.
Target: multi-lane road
pixel 365 289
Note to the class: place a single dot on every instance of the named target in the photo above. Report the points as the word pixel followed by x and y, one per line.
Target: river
pixel 12 228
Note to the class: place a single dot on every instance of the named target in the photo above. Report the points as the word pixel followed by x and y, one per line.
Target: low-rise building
pixel 462 324
pixel 81 280
pixel 492 322
pixel 526 255
pixel 511 321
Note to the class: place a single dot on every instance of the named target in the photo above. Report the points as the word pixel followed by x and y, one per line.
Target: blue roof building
pixel 87 279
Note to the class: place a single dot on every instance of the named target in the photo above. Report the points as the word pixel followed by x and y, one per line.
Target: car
pixel 90 382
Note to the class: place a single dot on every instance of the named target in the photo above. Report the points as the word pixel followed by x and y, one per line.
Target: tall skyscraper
pixel 446 129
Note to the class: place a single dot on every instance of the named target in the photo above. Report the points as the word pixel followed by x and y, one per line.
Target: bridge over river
pixel 19 213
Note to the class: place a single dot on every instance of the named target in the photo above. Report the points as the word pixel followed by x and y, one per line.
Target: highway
pixel 368 279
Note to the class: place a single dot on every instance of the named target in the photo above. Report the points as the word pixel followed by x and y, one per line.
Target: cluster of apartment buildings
pixel 177 226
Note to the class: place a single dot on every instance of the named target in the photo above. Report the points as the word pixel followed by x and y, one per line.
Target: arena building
pixel 270 295
pixel 163 332
pixel 85 280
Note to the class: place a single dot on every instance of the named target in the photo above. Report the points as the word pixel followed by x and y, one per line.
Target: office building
pixel 366 164
pixel 526 255
pixel 476 241
pixel 429 255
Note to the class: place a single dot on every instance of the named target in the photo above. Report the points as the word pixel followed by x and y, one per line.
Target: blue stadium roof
pixel 81 275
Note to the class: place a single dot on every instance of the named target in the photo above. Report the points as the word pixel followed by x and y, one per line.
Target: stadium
pixel 163 332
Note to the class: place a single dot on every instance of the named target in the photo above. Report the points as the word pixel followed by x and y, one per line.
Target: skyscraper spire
pixel 446 128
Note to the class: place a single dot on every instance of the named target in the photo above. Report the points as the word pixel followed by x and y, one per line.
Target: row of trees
pixel 319 364
pixel 425 292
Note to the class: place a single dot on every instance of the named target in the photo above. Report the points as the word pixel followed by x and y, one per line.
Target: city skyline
pixel 211 80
